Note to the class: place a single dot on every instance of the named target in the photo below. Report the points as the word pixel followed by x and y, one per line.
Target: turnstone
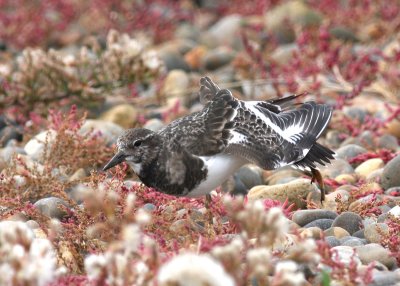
pixel 195 154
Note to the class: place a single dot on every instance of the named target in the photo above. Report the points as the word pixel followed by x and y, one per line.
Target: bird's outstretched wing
pixel 273 140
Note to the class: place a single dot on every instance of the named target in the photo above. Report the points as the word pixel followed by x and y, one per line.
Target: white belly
pixel 220 167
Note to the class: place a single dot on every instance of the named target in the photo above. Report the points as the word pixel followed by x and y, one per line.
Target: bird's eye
pixel 137 143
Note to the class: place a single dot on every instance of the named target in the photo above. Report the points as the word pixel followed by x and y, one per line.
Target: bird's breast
pixel 219 168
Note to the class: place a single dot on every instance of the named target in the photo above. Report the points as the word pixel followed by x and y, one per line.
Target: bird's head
pixel 136 146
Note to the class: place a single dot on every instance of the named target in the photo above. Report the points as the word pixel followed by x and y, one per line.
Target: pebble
pixel 387 141
pixel 332 241
pixel 323 223
pixel 346 179
pixel 295 191
pixel 50 207
pixel 359 234
pixel 395 211
pixel 149 207
pixel 349 221
pixel 345 254
pixel 349 151
pixel 154 124
pixel 217 58
pixel 78 175
pixel 278 176
pixel 7 152
pixel 125 115
pixel 336 168
pixel 35 148
pixel 250 175
pixel 367 167
pixel 173 60
pixel 337 232
pixel 331 203
pixel 373 231
pixel 314 232
pixel 353 241
pixel 303 217
pixel 176 83
pixel 385 278
pixel 224 32
pixel 390 176
pixel 10 132
pixel 108 130
pixel 375 252
pixel 355 112
pixel 393 191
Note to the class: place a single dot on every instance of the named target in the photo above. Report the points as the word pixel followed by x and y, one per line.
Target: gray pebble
pixel 349 151
pixel 332 241
pixel 387 141
pixel 149 207
pixel 385 278
pixel 373 232
pixel 323 223
pixel 250 176
pixel 390 176
pixel 375 252
pixel 50 207
pixel 303 217
pixel 350 221
pixel 359 234
pixel 354 241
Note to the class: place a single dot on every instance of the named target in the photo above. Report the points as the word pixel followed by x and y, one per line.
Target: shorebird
pixel 195 154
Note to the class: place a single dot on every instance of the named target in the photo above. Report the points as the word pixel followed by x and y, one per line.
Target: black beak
pixel 117 159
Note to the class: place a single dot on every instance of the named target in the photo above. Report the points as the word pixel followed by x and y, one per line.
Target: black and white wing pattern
pixel 274 139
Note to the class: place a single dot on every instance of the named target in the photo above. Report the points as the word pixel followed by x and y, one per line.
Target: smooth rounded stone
pixel 173 60
pixel 359 234
pixel 323 223
pixel 331 203
pixel 11 132
pixel 387 141
pixel 239 188
pixel 125 115
pixel 367 139
pixel 385 278
pixel 395 211
pixel 311 232
pixel 375 252
pixel 250 175
pixel 224 32
pixel 279 175
pixel 346 179
pixel 349 221
pixel 390 176
pixel 353 242
pixel 35 148
pixel 364 202
pixel 109 130
pixel 373 232
pixel 7 152
pixel 350 151
pixel 296 12
pixel 217 58
pixel 295 192
pixel 393 191
pixel 375 176
pixel 332 241
pixel 176 83
pixel 393 128
pixel 345 255
pixel 336 168
pixel 194 57
pixel 149 207
pixel 337 232
pixel 50 207
pixel 154 124
pixel 333 138
pixel 343 33
pixel 303 217
pixel 355 113
pixel 367 167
